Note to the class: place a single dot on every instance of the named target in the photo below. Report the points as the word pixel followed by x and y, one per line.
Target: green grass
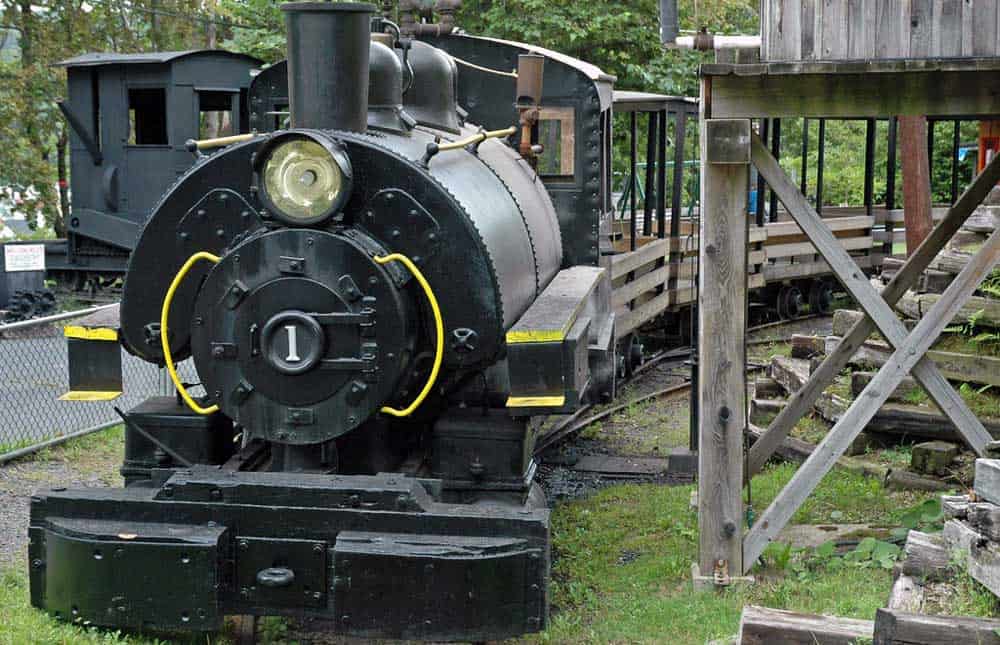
pixel 984 402
pixel 964 344
pixel 603 595
pixel 649 428
pixel 22 624
pixel 766 351
pixel 811 428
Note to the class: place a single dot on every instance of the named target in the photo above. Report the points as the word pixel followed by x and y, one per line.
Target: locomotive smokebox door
pixel 301 335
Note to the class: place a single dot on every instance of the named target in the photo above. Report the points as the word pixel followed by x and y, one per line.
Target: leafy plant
pixel 874 553
pixel 779 554
pixel 925 516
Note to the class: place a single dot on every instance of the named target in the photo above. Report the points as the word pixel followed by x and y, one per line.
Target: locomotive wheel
pixel 632 354
pixel 790 303
pixel 821 297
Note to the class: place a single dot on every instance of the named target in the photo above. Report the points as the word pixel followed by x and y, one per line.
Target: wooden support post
pixel 649 198
pixel 725 150
pixel 909 354
pixel 916 180
pixel 905 278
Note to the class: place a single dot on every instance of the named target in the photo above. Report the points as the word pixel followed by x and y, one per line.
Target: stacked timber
pixel 787 375
pixel 952 259
pixel 928 559
pixel 972 526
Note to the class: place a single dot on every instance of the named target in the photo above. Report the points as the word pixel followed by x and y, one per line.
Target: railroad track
pixel 576 422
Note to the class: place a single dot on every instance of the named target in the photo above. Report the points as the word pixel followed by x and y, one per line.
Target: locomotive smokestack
pixel 328 46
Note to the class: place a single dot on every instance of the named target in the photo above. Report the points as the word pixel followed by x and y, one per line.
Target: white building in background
pixel 10 45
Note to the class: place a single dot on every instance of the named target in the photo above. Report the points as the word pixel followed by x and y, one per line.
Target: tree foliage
pixel 619 36
pixel 34 132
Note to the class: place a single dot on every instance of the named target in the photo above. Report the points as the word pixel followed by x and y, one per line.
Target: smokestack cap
pixel 328 49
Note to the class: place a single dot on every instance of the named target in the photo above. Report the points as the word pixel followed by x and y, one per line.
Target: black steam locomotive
pixel 380 300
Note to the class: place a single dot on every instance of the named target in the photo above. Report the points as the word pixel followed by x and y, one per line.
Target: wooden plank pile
pixel 928 559
pixel 952 259
pixel 931 460
pixel 972 526
pixel 761 625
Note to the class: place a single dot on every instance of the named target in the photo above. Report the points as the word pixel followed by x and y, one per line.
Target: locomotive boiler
pixel 379 309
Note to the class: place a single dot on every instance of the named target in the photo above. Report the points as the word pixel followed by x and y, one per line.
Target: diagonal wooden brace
pixel 875 306
pixel 909 353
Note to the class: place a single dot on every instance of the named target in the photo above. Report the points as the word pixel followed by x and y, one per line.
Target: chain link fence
pixel 34 373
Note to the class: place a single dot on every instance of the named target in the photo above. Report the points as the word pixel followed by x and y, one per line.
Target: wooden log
pixel 906 480
pixel 895 627
pixel 960 537
pixel 767 388
pixel 863 444
pixel 983 564
pixel 797 451
pixel 831 407
pixel 859 381
pixel 922 423
pixel 907 595
pixel 934 281
pixel 890 266
pixel 765 626
pixel 951 261
pixel 987 480
pixel 807 346
pixel 983 220
pixel 927 557
pixel 986 311
pixel 791 373
pixel 762 411
pixel 955 506
pixel 984 517
pixel 967 368
pixel 844 320
pixel 933 457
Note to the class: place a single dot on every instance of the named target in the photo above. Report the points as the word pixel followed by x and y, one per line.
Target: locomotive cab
pixel 129 116
pixel 380 307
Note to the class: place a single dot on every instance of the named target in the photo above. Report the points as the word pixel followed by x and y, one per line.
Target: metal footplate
pixel 560 353
pixel 379 555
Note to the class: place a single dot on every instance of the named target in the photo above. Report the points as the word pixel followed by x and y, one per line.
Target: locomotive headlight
pixel 304 177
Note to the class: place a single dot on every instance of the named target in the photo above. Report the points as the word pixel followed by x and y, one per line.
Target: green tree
pixel 33 160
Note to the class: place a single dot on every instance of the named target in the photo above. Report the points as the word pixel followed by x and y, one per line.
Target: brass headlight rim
pixel 337 153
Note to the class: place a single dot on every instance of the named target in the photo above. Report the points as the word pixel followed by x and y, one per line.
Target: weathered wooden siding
pixel 865 29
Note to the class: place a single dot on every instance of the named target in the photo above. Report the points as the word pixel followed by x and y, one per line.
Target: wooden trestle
pixel 732 95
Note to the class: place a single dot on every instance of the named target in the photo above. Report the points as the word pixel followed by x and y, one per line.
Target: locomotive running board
pixel 379 555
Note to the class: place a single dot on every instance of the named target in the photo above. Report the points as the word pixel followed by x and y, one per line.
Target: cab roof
pixel 95 59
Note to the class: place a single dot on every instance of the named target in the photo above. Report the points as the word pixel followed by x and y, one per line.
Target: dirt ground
pixel 94 461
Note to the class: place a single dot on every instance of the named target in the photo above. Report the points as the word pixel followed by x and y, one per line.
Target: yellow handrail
pixel 476 138
pixel 219 142
pixel 164 314
pixel 438 329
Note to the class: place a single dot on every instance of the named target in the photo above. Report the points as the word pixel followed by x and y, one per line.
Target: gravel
pixel 19 480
